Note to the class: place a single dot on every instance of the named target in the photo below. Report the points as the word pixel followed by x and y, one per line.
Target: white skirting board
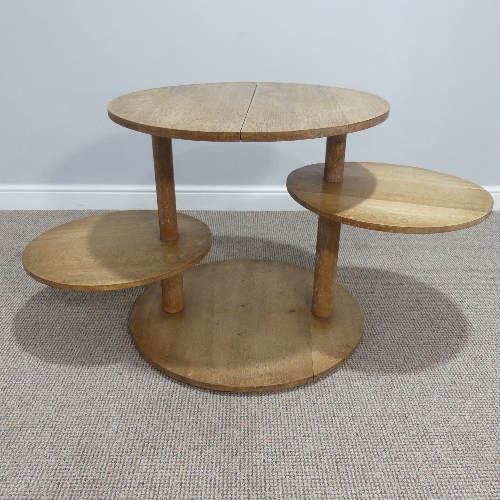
pixel 119 197
pixel 123 197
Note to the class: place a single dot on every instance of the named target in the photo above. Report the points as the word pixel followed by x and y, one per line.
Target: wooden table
pixel 249 325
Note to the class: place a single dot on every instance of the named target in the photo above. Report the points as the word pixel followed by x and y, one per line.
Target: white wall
pixel 436 61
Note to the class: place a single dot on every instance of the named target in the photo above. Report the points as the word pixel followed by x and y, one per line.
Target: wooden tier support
pixel 327 246
pixel 172 295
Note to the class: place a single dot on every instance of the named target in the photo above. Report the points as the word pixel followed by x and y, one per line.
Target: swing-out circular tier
pixel 248 111
pixel 392 198
pixel 114 250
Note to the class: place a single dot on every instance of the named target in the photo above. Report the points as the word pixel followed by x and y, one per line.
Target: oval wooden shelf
pixel 113 251
pixel 392 198
pixel 248 111
pixel 247 326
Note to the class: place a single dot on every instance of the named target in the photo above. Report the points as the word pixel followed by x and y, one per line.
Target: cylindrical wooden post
pixel 172 294
pixel 325 269
pixel 165 187
pixel 327 246
pixel 334 158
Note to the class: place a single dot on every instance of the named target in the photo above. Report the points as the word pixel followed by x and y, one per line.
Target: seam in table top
pixel 253 95
pixel 246 114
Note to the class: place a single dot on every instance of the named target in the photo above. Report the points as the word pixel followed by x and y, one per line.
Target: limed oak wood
pixel 392 198
pixel 325 268
pixel 290 111
pixel 361 110
pixel 201 112
pixel 328 237
pixel 247 326
pixel 334 158
pixel 248 111
pixel 173 300
pixel 113 251
pixel 165 187
pixel 172 294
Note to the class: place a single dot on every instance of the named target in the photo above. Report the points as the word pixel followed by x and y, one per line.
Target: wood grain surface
pixel 113 251
pixel 173 300
pixel 246 326
pixel 361 110
pixel 165 187
pixel 325 267
pixel 248 111
pixel 172 293
pixel 334 158
pixel 392 198
pixel 203 112
pixel 290 111
pixel 328 237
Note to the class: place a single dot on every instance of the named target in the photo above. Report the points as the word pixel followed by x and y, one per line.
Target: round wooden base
pixel 246 326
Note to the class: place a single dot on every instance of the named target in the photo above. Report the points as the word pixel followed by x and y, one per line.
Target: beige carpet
pixel 415 413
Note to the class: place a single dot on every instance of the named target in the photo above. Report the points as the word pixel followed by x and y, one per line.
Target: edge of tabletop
pixel 481 215
pixel 190 135
pixel 316 133
pixel 256 136
pixel 388 228
pixel 313 133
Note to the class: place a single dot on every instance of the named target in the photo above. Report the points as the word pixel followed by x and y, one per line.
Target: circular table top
pixel 114 250
pixel 248 111
pixel 392 198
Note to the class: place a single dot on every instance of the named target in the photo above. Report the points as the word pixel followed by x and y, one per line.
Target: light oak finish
pixel 203 112
pixel 325 269
pixel 361 110
pixel 165 187
pixel 173 300
pixel 289 111
pixel 172 294
pixel 392 198
pixel 334 158
pixel 247 326
pixel 248 111
pixel 113 251
pixel 328 237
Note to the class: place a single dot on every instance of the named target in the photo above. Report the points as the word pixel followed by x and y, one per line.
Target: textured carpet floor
pixel 415 413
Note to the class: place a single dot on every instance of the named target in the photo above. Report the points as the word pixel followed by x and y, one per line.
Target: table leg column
pixel 172 294
pixel 327 246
